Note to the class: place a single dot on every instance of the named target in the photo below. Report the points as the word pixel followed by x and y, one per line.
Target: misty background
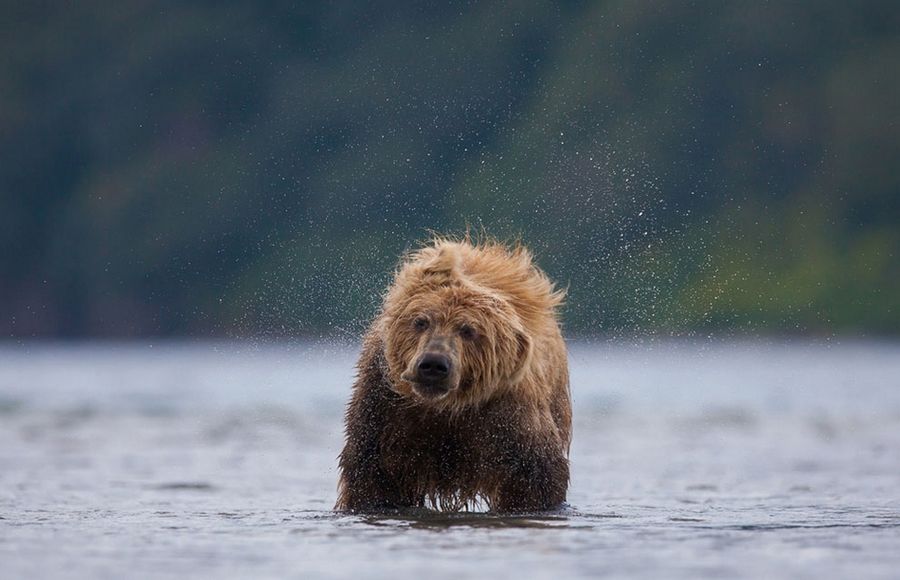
pixel 255 169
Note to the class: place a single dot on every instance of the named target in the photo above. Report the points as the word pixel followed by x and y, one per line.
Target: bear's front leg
pixel 534 481
pixel 374 475
pixel 529 466
pixel 364 484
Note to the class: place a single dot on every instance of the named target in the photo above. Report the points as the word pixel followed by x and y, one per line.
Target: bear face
pixel 453 345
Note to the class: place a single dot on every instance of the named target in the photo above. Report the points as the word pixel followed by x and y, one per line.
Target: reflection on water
pixel 689 460
pixel 424 519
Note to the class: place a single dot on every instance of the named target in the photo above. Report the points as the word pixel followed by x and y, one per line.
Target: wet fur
pixel 501 436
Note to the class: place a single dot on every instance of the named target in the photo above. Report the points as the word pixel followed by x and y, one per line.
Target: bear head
pixel 450 342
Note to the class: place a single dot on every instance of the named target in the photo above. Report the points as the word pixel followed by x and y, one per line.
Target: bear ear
pixel 444 264
pixel 523 355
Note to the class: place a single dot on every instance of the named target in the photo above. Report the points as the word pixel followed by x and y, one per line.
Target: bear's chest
pixel 431 449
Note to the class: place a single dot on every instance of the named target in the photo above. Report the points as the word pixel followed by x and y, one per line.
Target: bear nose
pixel 433 367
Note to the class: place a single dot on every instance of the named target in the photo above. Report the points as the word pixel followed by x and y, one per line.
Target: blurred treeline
pixel 235 168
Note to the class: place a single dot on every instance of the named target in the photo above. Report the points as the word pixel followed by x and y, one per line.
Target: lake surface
pixel 217 460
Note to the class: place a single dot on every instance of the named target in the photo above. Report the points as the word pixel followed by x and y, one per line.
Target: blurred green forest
pixel 237 168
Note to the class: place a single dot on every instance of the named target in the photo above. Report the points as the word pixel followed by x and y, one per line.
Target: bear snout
pixel 432 368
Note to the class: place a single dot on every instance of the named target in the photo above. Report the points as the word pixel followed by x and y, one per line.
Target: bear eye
pixel 466 332
pixel 420 323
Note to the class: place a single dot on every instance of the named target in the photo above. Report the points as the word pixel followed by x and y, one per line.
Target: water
pixel 218 460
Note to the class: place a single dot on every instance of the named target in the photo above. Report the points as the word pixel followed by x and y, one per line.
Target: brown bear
pixel 462 392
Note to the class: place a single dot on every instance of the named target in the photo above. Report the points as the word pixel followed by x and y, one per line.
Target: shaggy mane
pixel 486 264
